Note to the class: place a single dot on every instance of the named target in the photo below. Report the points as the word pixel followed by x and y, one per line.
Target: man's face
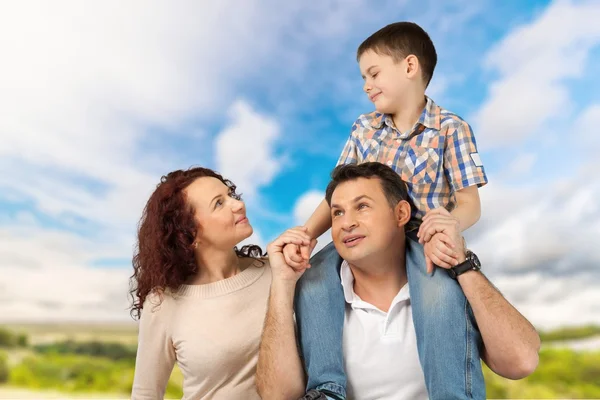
pixel 386 80
pixel 363 223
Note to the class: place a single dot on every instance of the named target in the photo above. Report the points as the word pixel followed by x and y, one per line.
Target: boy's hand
pixel 433 222
pixel 440 251
pixel 297 256
pixel 283 272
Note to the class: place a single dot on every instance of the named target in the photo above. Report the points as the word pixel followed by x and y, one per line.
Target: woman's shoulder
pixel 262 262
pixel 158 300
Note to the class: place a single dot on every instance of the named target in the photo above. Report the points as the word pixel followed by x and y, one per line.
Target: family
pixel 396 307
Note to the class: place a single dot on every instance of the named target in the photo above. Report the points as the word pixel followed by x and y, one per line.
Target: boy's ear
pixel 402 213
pixel 412 65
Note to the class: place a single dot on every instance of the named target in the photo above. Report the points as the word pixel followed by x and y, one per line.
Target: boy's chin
pixel 382 109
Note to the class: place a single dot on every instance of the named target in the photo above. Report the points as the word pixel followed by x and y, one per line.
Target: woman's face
pixel 221 218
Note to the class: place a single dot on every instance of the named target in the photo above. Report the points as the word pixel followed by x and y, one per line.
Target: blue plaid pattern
pixel 436 158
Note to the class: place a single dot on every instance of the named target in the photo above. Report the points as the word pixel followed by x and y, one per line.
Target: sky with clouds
pixel 99 99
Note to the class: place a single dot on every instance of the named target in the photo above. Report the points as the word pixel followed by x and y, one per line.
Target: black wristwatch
pixel 470 264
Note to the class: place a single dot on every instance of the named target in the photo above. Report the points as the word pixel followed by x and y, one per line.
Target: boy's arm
pixel 468 207
pixel 319 221
pixel 465 174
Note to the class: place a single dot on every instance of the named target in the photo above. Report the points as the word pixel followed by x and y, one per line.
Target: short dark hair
pixel 393 186
pixel 401 39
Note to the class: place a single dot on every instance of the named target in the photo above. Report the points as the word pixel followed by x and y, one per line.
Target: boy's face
pixel 363 224
pixel 385 80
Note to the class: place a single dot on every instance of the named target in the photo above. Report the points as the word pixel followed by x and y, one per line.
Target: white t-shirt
pixel 380 349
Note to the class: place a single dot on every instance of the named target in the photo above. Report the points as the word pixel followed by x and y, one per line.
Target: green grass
pixel 561 374
pixel 570 333
pixel 80 360
pixel 48 333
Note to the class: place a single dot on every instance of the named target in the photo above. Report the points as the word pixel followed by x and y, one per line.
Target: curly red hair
pixel 164 257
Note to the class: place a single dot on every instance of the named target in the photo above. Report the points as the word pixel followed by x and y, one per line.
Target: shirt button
pixel 389 163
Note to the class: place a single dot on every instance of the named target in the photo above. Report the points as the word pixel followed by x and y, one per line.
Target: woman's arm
pixel 155 353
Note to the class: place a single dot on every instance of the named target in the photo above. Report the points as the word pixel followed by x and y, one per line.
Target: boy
pixel 435 153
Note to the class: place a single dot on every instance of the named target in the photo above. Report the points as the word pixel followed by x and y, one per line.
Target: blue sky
pixel 100 100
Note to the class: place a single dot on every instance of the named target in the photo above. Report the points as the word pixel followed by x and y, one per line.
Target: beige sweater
pixel 213 332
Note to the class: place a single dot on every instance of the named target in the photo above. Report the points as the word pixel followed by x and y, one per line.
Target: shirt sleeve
pixel 349 153
pixel 462 163
pixel 155 353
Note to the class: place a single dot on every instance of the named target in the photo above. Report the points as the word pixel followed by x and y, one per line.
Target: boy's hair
pixel 393 186
pixel 401 39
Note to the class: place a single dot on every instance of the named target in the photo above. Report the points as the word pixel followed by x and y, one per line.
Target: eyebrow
pixel 355 200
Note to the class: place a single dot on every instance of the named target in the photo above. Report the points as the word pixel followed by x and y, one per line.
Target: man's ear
pixel 402 213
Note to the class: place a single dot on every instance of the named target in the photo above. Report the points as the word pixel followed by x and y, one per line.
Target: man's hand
pixel 282 270
pixel 297 256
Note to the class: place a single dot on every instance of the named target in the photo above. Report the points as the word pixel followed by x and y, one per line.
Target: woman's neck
pixel 215 266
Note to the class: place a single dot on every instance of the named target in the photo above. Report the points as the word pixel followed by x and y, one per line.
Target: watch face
pixel 475 260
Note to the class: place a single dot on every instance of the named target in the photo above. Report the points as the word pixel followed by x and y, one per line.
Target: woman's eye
pixel 219 203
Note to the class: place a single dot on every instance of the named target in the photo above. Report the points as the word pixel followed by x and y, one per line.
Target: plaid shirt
pixel 436 158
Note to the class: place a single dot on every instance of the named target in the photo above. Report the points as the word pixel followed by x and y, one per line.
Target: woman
pixel 200 300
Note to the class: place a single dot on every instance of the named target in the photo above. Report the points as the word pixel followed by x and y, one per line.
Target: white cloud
pixel 585 125
pixel 85 85
pixel 549 302
pixel 245 149
pixel 83 88
pixel 306 205
pixel 520 166
pixel 538 245
pixel 303 209
pixel 46 277
pixel 533 62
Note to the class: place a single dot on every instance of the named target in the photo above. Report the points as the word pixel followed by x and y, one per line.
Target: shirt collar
pixel 354 300
pixel 430 117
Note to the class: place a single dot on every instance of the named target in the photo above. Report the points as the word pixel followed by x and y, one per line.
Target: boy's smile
pixel 385 80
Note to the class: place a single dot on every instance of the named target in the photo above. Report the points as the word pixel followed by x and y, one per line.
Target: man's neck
pixel 407 116
pixel 378 280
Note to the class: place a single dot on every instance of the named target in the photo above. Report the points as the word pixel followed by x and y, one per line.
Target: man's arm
pixel 511 342
pixel 279 373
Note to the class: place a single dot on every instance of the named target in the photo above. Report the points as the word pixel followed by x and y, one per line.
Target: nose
pixel 367 86
pixel 349 222
pixel 237 205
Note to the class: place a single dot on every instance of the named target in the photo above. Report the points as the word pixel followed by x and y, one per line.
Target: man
pixel 369 210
